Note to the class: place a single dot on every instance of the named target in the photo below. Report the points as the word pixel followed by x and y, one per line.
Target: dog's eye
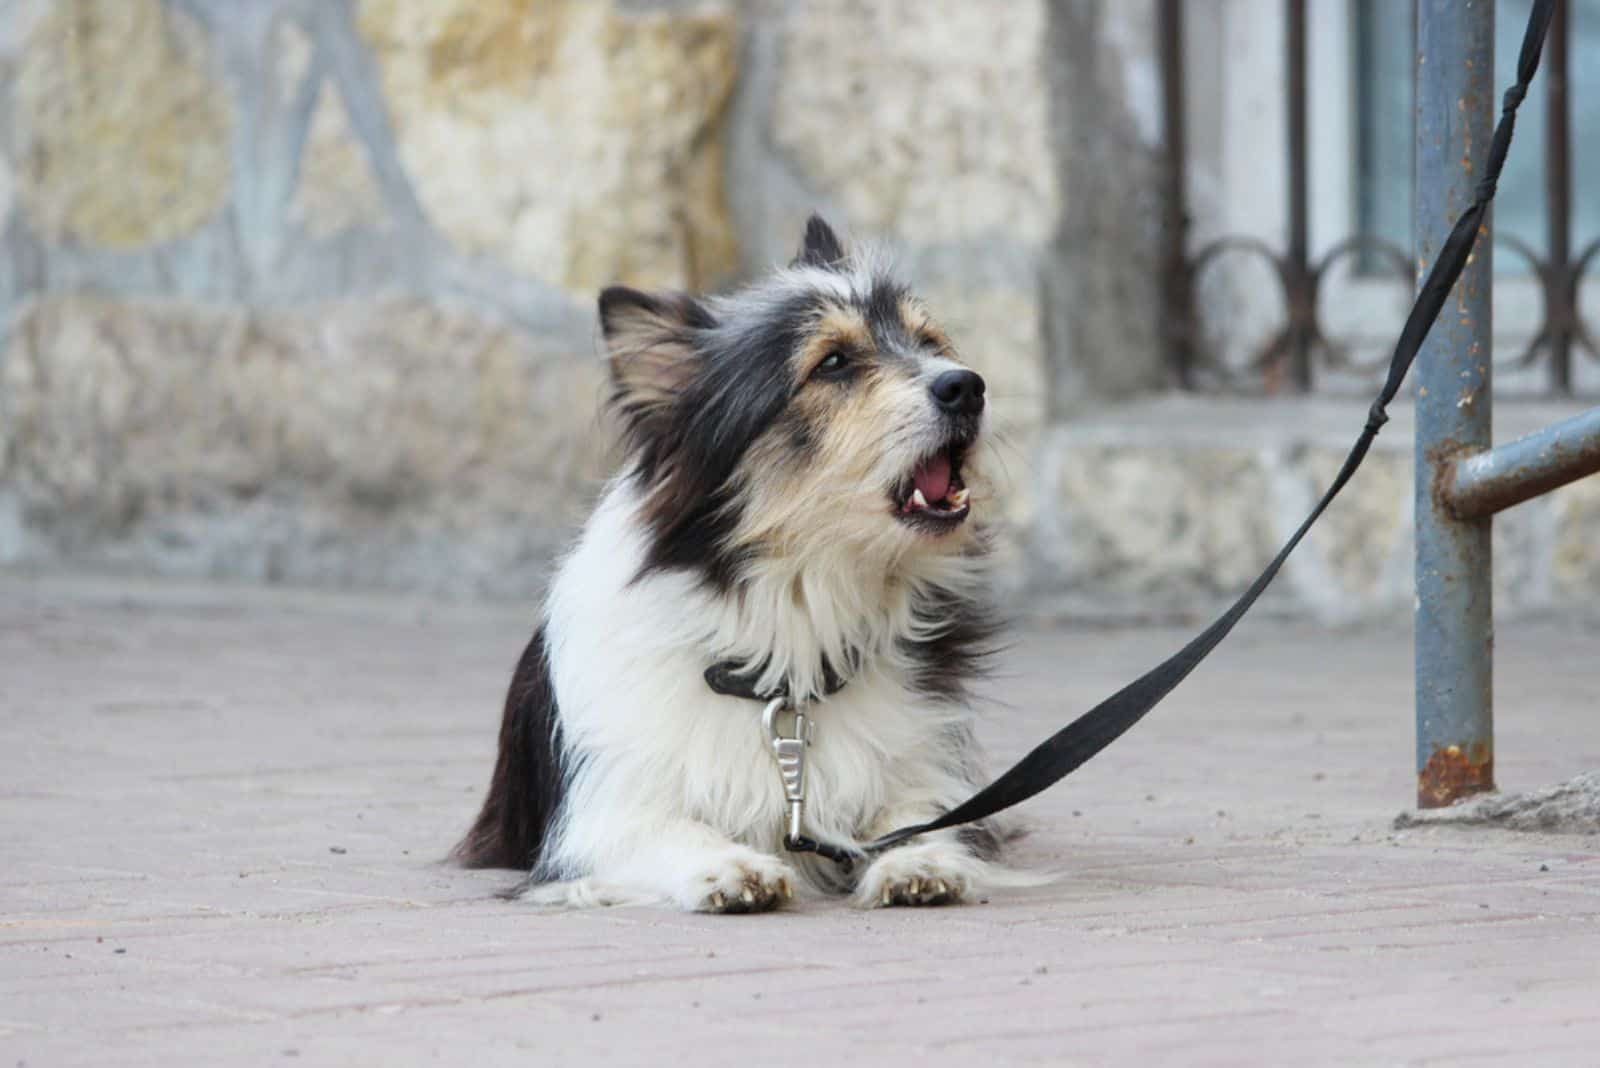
pixel 832 364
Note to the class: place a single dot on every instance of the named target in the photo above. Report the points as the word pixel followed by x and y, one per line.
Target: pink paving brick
pixel 180 763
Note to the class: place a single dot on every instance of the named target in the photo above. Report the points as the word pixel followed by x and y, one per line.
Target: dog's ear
pixel 820 247
pixel 650 343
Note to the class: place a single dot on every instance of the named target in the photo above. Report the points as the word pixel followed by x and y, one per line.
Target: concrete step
pixel 1169 507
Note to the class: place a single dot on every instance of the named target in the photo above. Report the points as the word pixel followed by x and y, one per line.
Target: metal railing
pixel 1461 479
pixel 1300 347
pixel 1558 272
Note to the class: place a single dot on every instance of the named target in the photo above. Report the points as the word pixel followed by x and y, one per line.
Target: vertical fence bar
pixel 1177 282
pixel 1561 298
pixel 1454 624
pixel 1295 265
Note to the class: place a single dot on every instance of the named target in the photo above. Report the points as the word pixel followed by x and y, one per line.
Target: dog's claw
pixel 752 886
pixel 920 890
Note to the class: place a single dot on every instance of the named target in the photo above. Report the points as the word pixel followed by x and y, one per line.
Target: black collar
pixel 725 678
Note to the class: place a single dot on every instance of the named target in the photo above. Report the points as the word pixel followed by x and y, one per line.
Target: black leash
pixel 1073 745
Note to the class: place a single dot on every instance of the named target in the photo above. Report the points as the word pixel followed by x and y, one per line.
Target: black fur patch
pixel 800 433
pixel 672 320
pixel 672 307
pixel 948 663
pixel 821 246
pixel 684 463
pixel 981 840
pixel 882 312
pixel 946 667
pixel 526 790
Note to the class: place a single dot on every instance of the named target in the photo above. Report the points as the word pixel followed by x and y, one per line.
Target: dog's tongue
pixel 933 477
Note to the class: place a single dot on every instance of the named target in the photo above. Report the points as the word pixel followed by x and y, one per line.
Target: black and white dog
pixel 802 472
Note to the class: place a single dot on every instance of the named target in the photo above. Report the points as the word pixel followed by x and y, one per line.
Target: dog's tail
pixel 526 790
pixel 580 894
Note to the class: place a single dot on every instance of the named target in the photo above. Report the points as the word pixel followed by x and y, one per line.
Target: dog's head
pixel 819 411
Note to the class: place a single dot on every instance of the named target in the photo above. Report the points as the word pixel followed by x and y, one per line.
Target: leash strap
pixel 1085 736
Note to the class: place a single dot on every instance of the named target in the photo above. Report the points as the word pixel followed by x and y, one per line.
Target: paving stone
pixel 182 761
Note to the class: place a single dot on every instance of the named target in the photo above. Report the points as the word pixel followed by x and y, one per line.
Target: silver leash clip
pixel 790 751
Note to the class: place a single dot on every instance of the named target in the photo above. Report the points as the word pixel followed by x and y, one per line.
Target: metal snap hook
pixel 790 752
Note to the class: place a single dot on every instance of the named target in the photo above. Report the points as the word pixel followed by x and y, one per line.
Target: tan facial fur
pixel 819 478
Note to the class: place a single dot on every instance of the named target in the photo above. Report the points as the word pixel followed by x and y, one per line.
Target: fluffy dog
pixel 802 470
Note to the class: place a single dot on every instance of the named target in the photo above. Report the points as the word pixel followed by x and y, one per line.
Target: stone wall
pixel 302 289
pixel 1168 507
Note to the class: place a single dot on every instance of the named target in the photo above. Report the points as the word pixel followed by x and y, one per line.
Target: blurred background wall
pixel 302 290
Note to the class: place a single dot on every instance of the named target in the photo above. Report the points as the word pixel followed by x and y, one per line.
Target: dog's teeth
pixel 918 501
pixel 958 499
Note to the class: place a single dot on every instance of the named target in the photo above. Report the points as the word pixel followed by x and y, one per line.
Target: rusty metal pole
pixel 1297 271
pixel 1454 623
pixel 1483 483
pixel 1561 296
pixel 1177 280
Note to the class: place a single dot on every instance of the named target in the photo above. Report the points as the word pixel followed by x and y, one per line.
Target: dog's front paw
pixel 934 874
pixel 917 890
pixel 749 882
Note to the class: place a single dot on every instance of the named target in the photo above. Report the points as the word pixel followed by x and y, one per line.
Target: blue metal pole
pixel 1488 482
pixel 1454 622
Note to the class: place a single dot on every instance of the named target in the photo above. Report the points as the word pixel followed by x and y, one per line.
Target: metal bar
pixel 1561 295
pixel 1454 623
pixel 1177 279
pixel 1488 482
pixel 1296 272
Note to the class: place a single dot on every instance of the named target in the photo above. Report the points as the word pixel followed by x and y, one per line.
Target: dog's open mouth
pixel 932 496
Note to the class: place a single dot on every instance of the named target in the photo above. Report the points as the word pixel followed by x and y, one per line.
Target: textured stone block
pixel 1174 505
pixel 7 191
pixel 575 142
pixel 336 189
pixel 927 120
pixel 1362 547
pixel 1577 535
pixel 121 123
pixel 394 443
pixel 1165 519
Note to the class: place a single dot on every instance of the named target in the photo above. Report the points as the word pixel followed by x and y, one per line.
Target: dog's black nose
pixel 959 392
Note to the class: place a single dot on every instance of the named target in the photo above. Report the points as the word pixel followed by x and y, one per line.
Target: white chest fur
pixel 649 743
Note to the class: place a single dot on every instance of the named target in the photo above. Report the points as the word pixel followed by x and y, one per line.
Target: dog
pixel 799 495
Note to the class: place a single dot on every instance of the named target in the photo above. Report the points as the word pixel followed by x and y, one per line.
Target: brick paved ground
pixel 223 810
